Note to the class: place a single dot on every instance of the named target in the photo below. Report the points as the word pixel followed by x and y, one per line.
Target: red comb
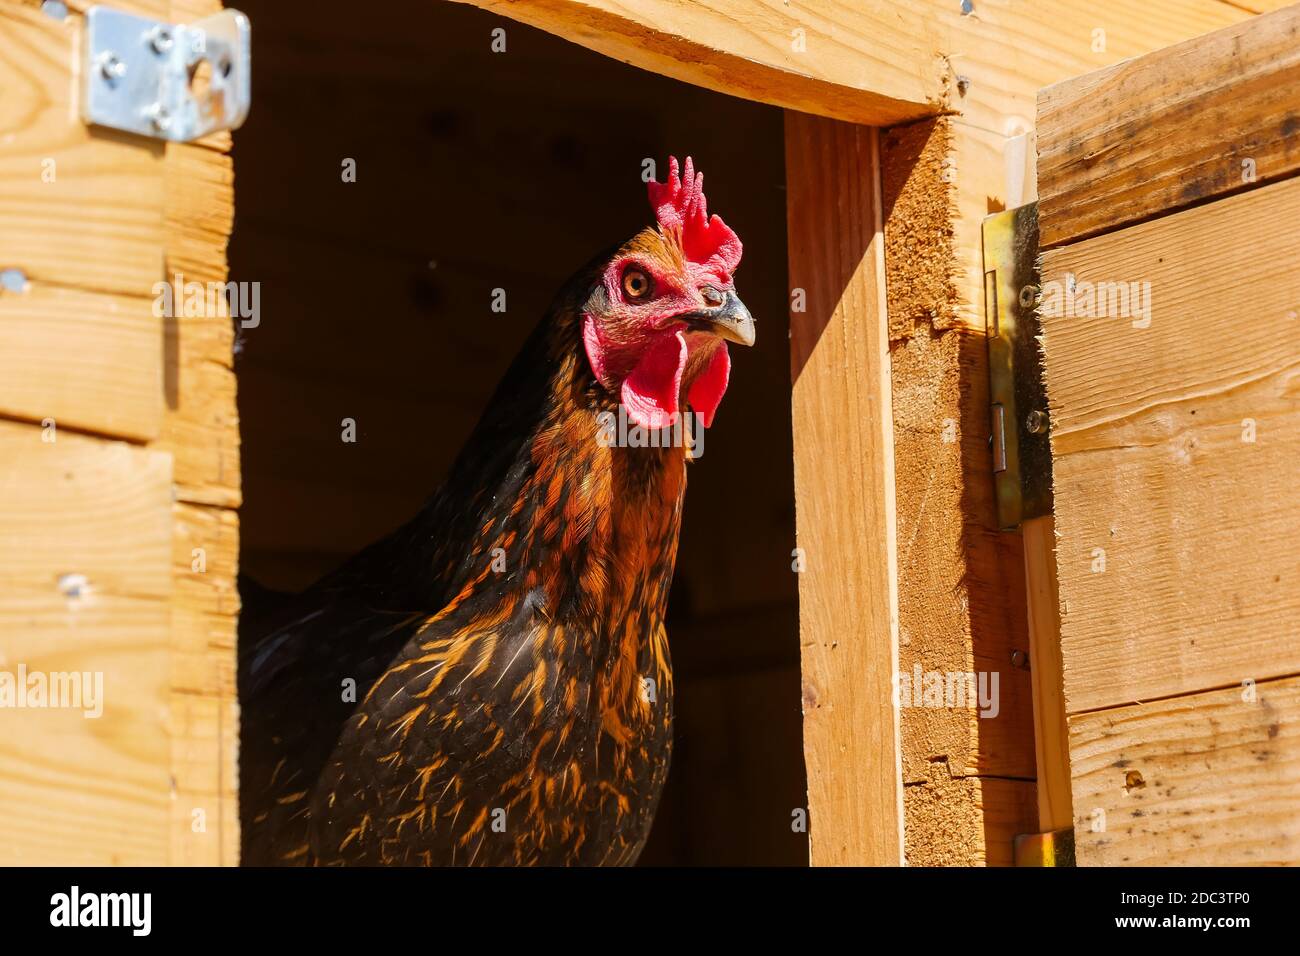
pixel 682 213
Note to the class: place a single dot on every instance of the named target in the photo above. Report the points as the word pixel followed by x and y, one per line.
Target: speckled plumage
pixel 511 689
pixel 520 697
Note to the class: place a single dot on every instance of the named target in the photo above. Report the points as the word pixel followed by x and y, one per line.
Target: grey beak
pixel 730 321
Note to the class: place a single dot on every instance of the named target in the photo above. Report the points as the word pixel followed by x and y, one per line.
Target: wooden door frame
pixel 925 63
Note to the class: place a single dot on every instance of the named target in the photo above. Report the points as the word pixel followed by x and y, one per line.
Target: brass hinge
pixel 1045 849
pixel 1021 429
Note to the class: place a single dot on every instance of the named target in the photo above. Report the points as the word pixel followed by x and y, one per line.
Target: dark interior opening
pixel 479 170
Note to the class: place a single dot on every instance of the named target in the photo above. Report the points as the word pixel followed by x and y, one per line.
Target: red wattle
pixel 650 390
pixel 707 390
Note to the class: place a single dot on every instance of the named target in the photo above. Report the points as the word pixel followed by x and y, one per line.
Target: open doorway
pixel 478 170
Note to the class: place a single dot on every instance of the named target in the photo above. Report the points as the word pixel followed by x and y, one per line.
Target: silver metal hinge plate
pixel 1020 423
pixel 170 81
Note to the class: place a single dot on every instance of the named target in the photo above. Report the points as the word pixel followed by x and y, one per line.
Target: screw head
pixel 111 66
pixel 160 117
pixel 1036 422
pixel 13 280
pixel 161 39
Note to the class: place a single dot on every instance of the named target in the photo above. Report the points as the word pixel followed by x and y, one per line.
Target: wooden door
pixel 1170 238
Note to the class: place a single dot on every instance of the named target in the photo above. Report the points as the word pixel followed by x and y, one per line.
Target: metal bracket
pixel 1021 429
pixel 149 77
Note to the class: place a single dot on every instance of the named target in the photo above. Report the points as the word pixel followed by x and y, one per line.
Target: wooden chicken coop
pixel 1121 553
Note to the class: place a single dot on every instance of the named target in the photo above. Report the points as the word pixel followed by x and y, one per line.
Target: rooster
pixel 491 683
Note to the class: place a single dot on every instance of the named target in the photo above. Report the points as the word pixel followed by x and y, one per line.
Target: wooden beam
pixel 844 490
pixel 961 584
pixel 1211 779
pixel 1205 118
pixel 201 421
pixel 865 63
pixel 201 429
pixel 1175 437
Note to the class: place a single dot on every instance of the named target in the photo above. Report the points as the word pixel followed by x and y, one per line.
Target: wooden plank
pixel 1197 120
pixel 1003 54
pixel 867 64
pixel 88 360
pixel 201 421
pixel 1259 6
pixel 980 817
pixel 880 63
pixel 78 207
pixel 203 722
pixel 1211 779
pixel 1051 733
pixel 1006 51
pixel 961 582
pixel 1174 447
pixel 844 489
pixel 84 583
pixel 201 429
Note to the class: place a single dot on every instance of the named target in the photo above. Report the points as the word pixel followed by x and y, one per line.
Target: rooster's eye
pixel 636 284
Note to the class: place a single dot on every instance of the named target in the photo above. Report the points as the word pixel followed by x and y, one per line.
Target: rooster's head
pixel 659 314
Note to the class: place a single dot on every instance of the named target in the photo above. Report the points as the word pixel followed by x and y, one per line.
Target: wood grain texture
pixel 966 821
pixel 1197 120
pixel 1210 779
pixel 89 360
pixel 1174 451
pixel 844 483
pixel 1259 6
pixel 868 64
pixel 204 711
pixel 1003 54
pixel 201 421
pixel 1051 733
pixel 1008 50
pixel 201 429
pixel 95 220
pixel 961 582
pixel 98 224
pixel 81 790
